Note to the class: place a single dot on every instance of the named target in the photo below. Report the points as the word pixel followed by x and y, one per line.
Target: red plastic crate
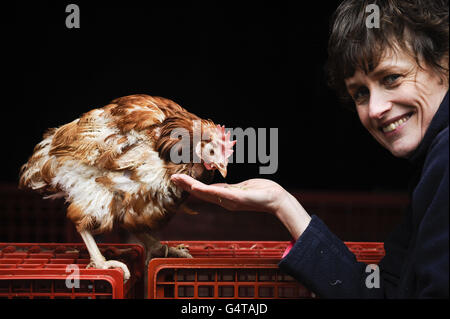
pixel 369 252
pixel 40 271
pixel 216 278
pixel 233 249
pixel 236 269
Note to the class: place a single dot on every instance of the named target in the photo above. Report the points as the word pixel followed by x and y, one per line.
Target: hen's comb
pixel 227 144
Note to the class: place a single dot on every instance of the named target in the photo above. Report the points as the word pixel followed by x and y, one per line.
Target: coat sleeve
pixel 396 248
pixel 431 249
pixel 324 264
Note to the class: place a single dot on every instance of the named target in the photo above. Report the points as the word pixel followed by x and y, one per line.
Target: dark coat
pixel 416 264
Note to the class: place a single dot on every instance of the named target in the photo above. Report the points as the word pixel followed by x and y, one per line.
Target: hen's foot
pixel 180 251
pixel 107 264
pixel 164 251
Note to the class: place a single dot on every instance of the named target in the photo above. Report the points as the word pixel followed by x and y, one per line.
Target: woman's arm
pixel 320 260
pixel 293 216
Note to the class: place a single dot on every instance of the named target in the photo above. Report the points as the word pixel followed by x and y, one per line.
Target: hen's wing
pixel 100 137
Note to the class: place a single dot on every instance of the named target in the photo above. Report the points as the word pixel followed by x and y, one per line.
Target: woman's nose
pixel 379 105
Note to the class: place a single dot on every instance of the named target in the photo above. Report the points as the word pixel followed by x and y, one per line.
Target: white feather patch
pixel 78 181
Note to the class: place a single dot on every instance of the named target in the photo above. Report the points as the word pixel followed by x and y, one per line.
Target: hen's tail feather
pixel 37 172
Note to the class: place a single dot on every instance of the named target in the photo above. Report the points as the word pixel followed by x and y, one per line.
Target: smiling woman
pixel 397 78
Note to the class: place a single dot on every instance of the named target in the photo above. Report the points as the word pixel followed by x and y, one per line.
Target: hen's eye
pixel 211 152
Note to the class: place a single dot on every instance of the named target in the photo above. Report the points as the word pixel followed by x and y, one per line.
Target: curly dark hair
pixel 418 27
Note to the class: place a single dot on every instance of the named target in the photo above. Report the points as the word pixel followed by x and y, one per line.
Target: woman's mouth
pixel 396 124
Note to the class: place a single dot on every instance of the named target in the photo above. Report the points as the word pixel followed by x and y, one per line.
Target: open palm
pixel 254 194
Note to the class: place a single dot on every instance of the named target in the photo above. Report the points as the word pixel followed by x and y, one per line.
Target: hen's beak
pixel 221 168
pixel 223 171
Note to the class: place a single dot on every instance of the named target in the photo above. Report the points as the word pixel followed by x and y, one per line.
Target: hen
pixel 113 165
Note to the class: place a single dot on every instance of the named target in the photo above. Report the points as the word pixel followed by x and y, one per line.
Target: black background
pixel 254 66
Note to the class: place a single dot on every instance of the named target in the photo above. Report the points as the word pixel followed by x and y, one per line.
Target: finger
pixel 195 187
pixel 187 182
pixel 210 193
pixel 190 184
pixel 184 181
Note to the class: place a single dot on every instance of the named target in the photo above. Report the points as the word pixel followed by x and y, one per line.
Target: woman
pixel 397 77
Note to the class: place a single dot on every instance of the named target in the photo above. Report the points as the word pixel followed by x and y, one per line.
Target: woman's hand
pixel 252 195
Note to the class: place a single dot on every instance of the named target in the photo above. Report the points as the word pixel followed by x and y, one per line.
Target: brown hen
pixel 113 165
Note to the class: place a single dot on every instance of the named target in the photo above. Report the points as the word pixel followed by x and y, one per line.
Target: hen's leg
pixel 97 259
pixel 156 249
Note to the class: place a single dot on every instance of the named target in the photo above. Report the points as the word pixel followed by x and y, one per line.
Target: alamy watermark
pixel 373 279
pixel 373 19
pixel 73 19
pixel 73 279
pixel 259 148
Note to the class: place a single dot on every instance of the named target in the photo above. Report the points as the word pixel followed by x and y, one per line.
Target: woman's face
pixel 396 101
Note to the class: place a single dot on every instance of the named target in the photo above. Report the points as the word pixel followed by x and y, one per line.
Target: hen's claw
pixel 180 251
pixel 107 264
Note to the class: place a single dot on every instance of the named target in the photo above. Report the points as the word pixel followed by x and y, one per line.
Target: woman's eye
pixel 390 79
pixel 360 94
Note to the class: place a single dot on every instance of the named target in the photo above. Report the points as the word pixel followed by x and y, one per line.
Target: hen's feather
pixel 113 163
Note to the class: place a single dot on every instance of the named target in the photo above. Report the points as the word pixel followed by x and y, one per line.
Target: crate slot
pixel 267 275
pixel 246 291
pixel 185 291
pixel 166 275
pixel 206 275
pixel 226 275
pixel 206 291
pixel 168 291
pixel 288 292
pixel 185 275
pixel 266 291
pixel 226 291
pixel 246 275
